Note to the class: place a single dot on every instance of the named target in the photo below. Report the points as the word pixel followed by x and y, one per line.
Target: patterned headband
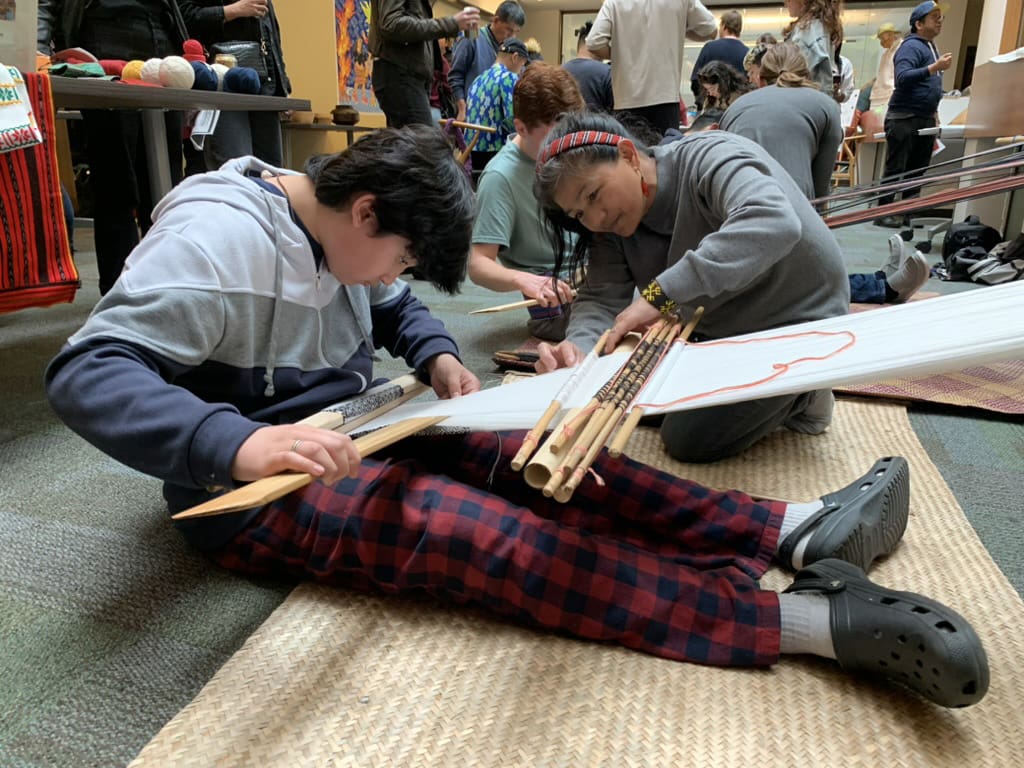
pixel 577 139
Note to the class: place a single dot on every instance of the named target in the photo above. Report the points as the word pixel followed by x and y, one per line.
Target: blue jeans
pixel 868 289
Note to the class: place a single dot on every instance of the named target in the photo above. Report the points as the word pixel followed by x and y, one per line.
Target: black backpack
pixel 968 233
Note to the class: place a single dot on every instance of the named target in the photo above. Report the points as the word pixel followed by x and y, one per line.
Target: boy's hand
pixel 326 455
pixel 450 378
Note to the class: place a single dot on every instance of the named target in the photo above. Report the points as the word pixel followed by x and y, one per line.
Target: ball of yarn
pixel 205 78
pixel 175 72
pixel 132 70
pixel 242 80
pixel 193 50
pixel 219 70
pixel 151 71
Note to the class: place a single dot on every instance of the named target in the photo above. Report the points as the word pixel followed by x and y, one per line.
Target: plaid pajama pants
pixel 650 561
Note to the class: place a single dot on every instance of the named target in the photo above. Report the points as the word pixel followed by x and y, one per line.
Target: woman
pixel 791 118
pixel 709 220
pixel 243 133
pixel 817 30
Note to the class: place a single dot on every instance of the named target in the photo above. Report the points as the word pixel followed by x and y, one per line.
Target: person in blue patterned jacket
pixel 490 100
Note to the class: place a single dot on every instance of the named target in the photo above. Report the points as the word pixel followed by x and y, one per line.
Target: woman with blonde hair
pixel 791 118
pixel 817 30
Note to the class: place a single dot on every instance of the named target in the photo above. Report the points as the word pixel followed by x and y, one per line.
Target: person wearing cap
pixel 474 56
pixel 885 77
pixel 914 102
pixel 489 101
pixel 403 40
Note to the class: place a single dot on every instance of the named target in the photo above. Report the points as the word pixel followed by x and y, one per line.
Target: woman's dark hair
pixel 731 84
pixel 421 194
pixel 573 163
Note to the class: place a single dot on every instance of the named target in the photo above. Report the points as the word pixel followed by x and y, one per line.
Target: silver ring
pixel 295 445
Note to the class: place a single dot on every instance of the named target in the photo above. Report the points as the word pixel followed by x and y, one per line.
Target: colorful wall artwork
pixel 352 28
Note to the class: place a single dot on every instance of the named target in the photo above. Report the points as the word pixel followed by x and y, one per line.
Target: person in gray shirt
pixel 800 126
pixel 709 220
pixel 789 116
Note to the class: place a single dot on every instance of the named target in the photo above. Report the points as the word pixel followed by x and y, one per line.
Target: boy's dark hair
pixel 511 11
pixel 421 194
pixel 571 163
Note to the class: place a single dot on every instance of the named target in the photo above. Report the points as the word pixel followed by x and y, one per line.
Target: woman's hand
pixel 547 291
pixel 565 354
pixel 638 316
pixel 450 378
pixel 326 455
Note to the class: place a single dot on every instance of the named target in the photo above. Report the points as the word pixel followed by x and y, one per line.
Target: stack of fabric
pixel 36 267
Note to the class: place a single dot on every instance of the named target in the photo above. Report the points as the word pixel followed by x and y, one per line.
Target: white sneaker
pixel 911 276
pixel 897 256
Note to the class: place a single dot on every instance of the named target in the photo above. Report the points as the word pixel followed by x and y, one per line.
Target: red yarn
pixel 193 51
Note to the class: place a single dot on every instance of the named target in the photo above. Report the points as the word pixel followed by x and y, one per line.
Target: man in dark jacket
pixel 914 101
pixel 115 145
pixel 403 41
pixel 479 54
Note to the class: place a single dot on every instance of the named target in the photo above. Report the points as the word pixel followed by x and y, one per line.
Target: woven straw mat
pixel 335 678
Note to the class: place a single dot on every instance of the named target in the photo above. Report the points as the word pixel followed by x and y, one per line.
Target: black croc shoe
pixel 863 521
pixel 900 636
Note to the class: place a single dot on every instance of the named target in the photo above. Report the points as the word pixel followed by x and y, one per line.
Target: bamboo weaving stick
pixel 568 427
pixel 633 419
pixel 268 489
pixel 634 384
pixel 582 370
pixel 344 417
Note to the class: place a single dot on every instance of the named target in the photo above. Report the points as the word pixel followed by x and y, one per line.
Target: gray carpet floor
pixel 109 624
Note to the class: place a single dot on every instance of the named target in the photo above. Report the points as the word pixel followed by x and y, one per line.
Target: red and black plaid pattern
pixel 577 139
pixel 649 560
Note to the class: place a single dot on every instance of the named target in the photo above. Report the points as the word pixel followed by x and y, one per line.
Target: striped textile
pixel 36 267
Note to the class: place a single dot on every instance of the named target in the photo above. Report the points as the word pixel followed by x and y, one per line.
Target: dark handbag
pixel 247 53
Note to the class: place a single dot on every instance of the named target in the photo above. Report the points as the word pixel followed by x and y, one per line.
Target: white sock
pixel 794 515
pixel 804 618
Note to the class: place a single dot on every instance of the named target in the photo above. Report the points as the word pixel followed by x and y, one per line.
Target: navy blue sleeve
pixel 406 329
pixel 118 396
pixel 911 64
